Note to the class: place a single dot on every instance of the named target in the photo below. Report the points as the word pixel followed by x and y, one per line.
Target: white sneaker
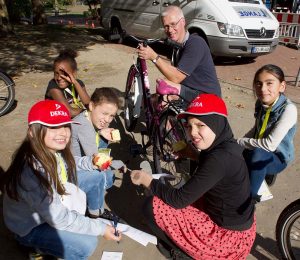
pixel 264 192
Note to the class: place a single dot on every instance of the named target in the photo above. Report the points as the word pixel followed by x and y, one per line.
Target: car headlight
pixel 231 29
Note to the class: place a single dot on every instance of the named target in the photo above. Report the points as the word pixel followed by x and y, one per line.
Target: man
pixel 195 72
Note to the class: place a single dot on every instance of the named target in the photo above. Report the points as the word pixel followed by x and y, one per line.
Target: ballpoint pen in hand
pixel 115 223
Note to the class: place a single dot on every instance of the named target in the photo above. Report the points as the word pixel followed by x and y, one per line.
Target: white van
pixel 232 28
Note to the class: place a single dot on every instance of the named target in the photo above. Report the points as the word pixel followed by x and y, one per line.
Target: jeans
pixel 261 163
pixel 94 183
pixel 60 243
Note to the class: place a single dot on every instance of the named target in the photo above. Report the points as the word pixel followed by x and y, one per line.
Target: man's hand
pixel 146 53
pixel 139 177
pixel 109 234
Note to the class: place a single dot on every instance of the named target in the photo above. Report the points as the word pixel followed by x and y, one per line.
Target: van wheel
pixel 116 34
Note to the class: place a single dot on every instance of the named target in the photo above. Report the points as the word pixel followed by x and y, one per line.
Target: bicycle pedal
pixel 136 149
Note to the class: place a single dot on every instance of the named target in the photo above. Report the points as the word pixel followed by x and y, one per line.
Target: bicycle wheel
pixel 7 93
pixel 288 231
pixel 133 98
pixel 170 131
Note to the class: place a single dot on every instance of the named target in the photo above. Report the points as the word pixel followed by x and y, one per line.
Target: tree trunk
pixel 5 26
pixel 39 16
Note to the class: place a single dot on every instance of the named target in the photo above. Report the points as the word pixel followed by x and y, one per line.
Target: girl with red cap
pixel 36 189
pixel 212 215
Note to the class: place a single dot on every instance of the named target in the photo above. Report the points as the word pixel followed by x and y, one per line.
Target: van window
pixel 245 1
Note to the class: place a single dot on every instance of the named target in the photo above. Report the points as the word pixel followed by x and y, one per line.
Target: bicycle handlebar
pixel 165 41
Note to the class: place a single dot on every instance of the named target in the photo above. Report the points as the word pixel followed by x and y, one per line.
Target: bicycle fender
pixel 138 96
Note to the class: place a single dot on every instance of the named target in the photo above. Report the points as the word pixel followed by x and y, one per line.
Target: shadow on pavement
pixel 264 248
pixel 33 48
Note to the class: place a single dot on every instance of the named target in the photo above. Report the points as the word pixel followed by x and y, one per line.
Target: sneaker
pixel 264 192
pixel 178 254
pixel 107 214
pixel 270 179
pixel 164 250
pixel 173 253
pixel 35 256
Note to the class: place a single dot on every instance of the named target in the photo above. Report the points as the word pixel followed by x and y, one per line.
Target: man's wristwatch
pixel 156 59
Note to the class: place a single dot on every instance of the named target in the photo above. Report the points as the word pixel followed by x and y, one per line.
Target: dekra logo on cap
pixel 196 104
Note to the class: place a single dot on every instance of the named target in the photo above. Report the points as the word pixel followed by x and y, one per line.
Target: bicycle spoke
pixel 7 93
pixel 288 231
pixel 164 157
pixel 4 86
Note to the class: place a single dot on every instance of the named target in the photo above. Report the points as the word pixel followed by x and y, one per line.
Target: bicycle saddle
pixel 163 88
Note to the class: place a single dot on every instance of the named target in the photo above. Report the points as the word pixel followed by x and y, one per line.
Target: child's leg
pixel 260 163
pixel 103 143
pixel 93 184
pixel 150 220
pixel 109 178
pixel 60 243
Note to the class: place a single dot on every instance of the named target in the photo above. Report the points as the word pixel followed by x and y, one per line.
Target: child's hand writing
pixel 109 234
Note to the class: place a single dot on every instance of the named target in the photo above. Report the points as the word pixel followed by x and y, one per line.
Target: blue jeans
pixel 94 183
pixel 261 163
pixel 60 243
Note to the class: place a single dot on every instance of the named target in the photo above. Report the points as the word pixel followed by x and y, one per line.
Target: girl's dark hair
pixel 67 55
pixel 34 154
pixel 107 95
pixel 272 69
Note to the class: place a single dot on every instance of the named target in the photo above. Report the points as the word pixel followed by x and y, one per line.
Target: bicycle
pixel 164 131
pixel 7 93
pixel 288 231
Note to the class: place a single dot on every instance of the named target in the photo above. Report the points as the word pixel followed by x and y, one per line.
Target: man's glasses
pixel 172 25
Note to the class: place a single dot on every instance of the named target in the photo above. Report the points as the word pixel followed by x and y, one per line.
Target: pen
pixel 115 223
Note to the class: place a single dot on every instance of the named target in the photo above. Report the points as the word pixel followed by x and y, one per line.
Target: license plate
pixel 260 49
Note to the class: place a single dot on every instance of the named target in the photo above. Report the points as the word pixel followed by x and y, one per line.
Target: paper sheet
pixel 135 234
pixel 112 255
pixel 158 175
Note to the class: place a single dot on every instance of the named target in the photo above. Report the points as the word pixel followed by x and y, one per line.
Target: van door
pixel 143 18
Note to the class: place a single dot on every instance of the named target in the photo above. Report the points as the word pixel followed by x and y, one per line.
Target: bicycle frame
pixel 146 93
pixel 162 127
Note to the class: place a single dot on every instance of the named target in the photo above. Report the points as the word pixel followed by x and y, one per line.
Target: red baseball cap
pixel 49 113
pixel 205 104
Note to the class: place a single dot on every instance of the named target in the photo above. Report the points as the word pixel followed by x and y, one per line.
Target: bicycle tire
pixel 163 158
pixel 129 105
pixel 288 231
pixel 7 93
